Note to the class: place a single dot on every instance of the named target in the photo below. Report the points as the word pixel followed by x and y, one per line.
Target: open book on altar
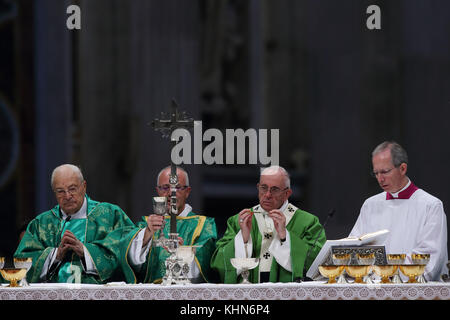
pixel 373 238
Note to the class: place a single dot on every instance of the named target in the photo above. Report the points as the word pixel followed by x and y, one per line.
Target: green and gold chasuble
pixel 303 228
pixel 194 229
pixel 100 232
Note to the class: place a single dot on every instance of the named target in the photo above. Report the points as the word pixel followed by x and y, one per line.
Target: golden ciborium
pixel 366 259
pixel 412 271
pixel 396 259
pixel 331 272
pixel 13 275
pixel 385 271
pixel 422 259
pixel 358 272
pixel 16 274
pixel 341 259
pixel 23 263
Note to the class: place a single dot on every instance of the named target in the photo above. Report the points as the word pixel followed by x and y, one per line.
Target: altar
pixel 264 291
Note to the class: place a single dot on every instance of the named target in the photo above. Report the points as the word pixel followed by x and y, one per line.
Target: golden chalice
pixel 331 272
pixel 385 272
pixel 341 259
pixel 396 259
pixel 23 263
pixel 13 275
pixel 412 271
pixel 423 259
pixel 358 272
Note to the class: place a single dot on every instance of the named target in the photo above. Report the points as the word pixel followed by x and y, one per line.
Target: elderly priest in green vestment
pixel 275 231
pixel 74 241
pixel 144 262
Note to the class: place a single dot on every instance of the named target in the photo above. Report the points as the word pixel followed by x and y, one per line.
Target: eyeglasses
pixel 381 172
pixel 62 192
pixel 166 188
pixel 274 191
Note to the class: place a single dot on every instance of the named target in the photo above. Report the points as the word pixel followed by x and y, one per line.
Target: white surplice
pixel 416 225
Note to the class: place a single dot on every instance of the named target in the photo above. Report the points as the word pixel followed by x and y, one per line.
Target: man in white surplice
pixel 416 220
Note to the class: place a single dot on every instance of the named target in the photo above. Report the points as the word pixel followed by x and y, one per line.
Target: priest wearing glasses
pixel 416 219
pixel 275 231
pixel 143 262
pixel 78 240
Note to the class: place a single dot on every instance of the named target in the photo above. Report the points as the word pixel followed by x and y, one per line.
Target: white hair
pixel 178 168
pixel 276 170
pixel 62 167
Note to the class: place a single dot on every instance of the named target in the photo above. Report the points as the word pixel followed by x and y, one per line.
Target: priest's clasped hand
pixel 69 242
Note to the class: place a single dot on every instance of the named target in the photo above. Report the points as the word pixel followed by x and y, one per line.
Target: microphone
pixel 305 278
pixel 53 269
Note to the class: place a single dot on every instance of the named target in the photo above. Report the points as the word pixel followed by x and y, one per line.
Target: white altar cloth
pixel 263 291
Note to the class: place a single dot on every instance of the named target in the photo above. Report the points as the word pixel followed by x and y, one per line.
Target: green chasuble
pixel 100 232
pixel 194 229
pixel 303 228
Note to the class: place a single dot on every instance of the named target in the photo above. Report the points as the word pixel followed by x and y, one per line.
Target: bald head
pixel 277 170
pixel 64 171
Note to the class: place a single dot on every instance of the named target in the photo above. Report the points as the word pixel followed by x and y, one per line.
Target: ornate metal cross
pixel 167 125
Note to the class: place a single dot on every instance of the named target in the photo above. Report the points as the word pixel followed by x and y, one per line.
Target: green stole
pixel 68 272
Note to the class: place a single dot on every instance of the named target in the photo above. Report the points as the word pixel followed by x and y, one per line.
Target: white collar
pixel 395 195
pixel 186 210
pixel 80 214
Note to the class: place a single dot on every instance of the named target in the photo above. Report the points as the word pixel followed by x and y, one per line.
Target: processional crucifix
pixel 167 124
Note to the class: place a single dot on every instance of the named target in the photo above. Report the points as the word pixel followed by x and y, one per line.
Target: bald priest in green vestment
pixel 143 262
pixel 275 231
pixel 78 240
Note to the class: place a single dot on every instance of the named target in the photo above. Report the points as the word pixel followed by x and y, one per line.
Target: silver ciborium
pixel 185 256
pixel 244 264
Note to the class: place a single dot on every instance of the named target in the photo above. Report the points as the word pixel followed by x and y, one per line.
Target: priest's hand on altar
pixel 70 242
pixel 279 222
pixel 245 223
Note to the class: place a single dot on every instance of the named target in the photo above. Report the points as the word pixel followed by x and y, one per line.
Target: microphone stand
pixel 305 278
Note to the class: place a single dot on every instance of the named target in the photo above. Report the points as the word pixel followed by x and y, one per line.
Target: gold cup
pixel 331 272
pixel 366 259
pixel 13 275
pixel 396 259
pixel 412 271
pixel 385 272
pixel 358 272
pixel 420 258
